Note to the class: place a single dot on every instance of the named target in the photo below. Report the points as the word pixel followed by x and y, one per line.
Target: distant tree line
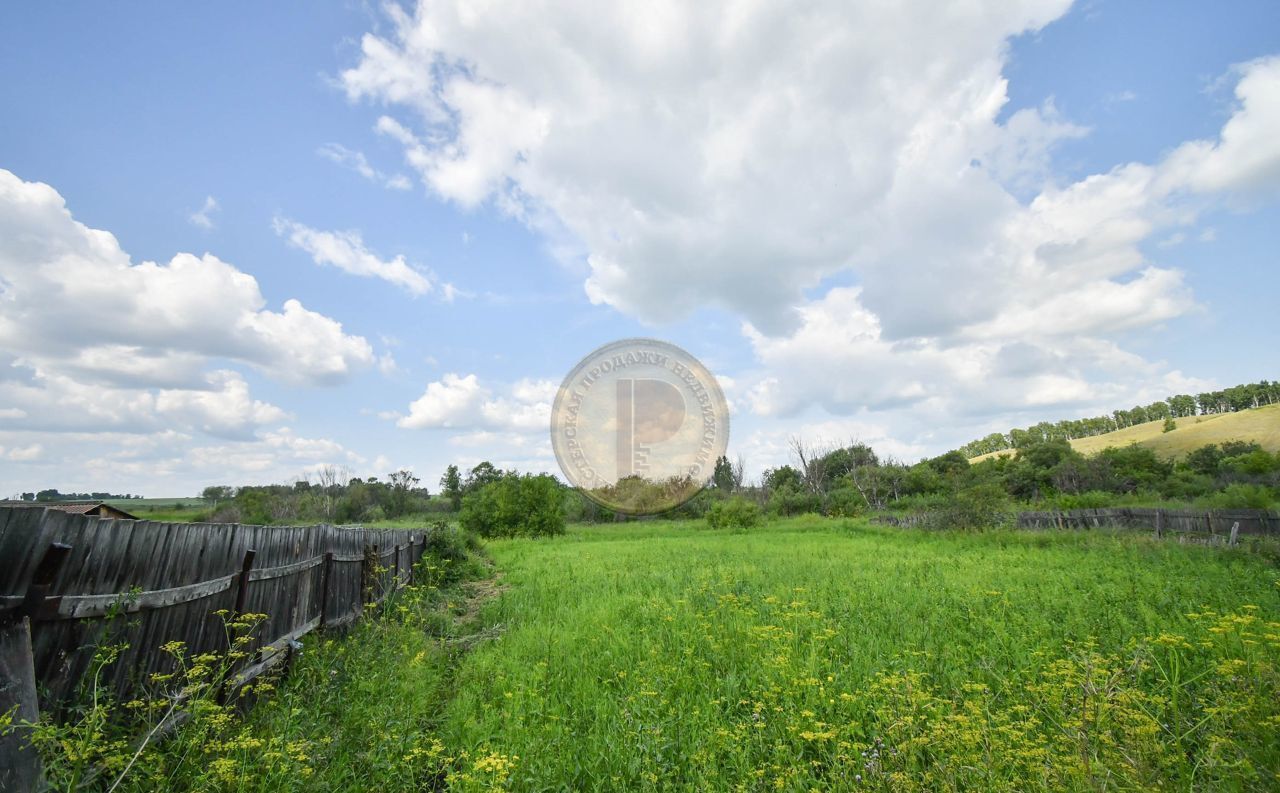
pixel 330 495
pixel 849 480
pixel 1229 400
pixel 487 500
pixel 52 494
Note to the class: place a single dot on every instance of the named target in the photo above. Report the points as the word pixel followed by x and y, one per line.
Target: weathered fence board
pixel 142 584
pixel 1167 521
pixel 1212 523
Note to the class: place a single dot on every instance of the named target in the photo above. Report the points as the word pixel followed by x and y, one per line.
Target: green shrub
pixel 1090 499
pixel 845 502
pixel 789 501
pixel 1241 496
pixel 974 508
pixel 451 553
pixel 734 513
pixel 515 506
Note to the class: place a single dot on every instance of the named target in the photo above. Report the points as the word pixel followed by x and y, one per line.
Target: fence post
pixel 1159 523
pixel 411 560
pixel 1235 532
pixel 20 767
pixel 242 595
pixel 325 572
pixel 395 575
pixel 368 574
pixel 242 583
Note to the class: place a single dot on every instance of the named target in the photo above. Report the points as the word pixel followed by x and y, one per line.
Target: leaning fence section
pixel 1191 524
pixel 70 583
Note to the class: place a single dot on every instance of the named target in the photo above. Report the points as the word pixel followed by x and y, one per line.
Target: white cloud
pixel 1246 156
pixel 737 155
pixel 72 300
pixel 118 372
pixel 203 217
pixel 23 454
pixel 356 161
pixel 346 251
pixel 458 402
pixel 220 404
pixel 840 360
pixel 452 401
pixel 387 364
pixel 716 153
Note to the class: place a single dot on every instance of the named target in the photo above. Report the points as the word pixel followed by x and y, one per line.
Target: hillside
pixel 1260 425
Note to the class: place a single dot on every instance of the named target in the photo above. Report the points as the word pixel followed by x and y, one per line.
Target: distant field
pixel 184 501
pixel 1260 425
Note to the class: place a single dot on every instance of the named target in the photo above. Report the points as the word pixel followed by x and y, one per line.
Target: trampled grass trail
pixel 819 654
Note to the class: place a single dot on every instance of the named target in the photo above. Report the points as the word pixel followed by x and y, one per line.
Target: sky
pixel 241 241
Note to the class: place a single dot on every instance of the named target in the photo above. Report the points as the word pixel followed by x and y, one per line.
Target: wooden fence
pixel 1210 523
pixel 1189 523
pixel 63 576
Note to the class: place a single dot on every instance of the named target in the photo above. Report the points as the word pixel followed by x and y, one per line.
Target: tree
pixel 402 484
pixel 513 505
pixel 727 476
pixel 483 473
pixel 839 462
pixel 215 493
pixel 783 478
pixel 330 479
pixel 812 464
pixel 451 486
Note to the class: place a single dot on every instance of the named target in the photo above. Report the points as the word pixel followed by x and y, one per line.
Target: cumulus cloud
pixel 120 372
pixel 346 251
pixel 730 154
pixel 741 155
pixel 841 360
pixel 356 161
pixel 73 299
pixel 464 403
pixel 167 461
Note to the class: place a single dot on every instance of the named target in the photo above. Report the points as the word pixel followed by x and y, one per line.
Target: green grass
pixel 1259 425
pixel 667 656
pixel 142 503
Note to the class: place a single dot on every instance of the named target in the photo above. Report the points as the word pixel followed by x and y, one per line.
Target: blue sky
pixel 902 227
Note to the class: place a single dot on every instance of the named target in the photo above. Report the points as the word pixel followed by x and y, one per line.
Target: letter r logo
pixel 649 412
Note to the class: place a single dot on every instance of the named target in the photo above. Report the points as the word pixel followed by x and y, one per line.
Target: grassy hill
pixel 1260 425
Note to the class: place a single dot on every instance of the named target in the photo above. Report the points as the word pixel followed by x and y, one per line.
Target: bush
pixel 1090 499
pixel 734 513
pixel 453 552
pixel 789 501
pixel 1241 496
pixel 515 506
pixel 845 502
pixel 975 508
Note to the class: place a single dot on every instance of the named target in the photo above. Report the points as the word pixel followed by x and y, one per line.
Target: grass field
pixel 811 654
pixel 1260 425
pixel 151 503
